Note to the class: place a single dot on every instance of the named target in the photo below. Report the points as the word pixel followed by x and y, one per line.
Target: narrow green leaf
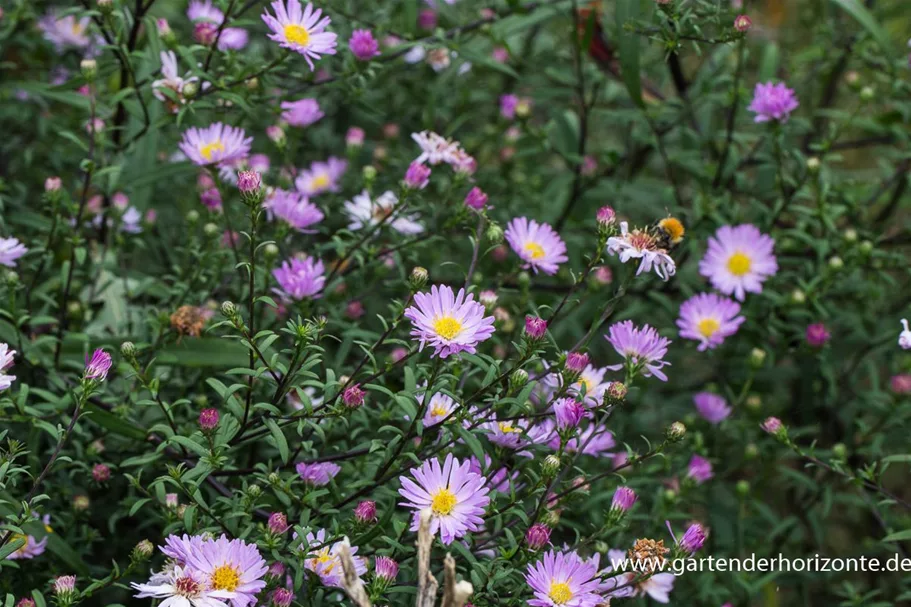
pixel 869 23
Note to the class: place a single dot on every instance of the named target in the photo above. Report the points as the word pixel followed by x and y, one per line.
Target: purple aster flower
pixel 317 474
pixel 568 413
pixel 476 199
pixel 295 209
pixel 204 11
pixel 564 579
pixel 817 335
pixel 693 539
pixel 230 566
pixel 642 348
pixel 537 244
pixel 301 30
pixel 623 500
pixel 98 366
pixel 711 407
pixel 506 434
pixel 386 568
pixel 709 318
pixel 11 250
pixel 233 39
pixel 363 45
pixel 435 148
pixel 699 469
pixel 301 113
pixel 323 559
pixel 417 176
pixel 773 102
pixel 451 324
pixel 441 406
pixel 300 278
pixel 65 31
pixel 739 259
pixel 29 550
pixel 455 496
pixel 508 105
pixel 215 144
pixel 321 177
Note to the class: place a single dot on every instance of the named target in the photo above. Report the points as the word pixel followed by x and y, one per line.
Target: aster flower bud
pixel 25 602
pixel 164 31
pixel 101 473
pixel 97 367
pixel 692 540
pixel 494 233
pixel 550 466
pixel 624 499
pixel 170 500
pixel 65 587
pixel 282 597
pixel 742 23
pixel 817 335
pixel 418 278
pixel 757 358
pixel 208 419
pixel 353 396
pixel 365 512
pixel 354 138
pixel 867 93
pixel 773 426
pixel 417 176
pixel 270 251
pixel 192 216
pixel 386 569
pixel 228 309
pixel 518 379
pixel 52 184
pixel 537 536
pixel 850 235
pixel 751 451
pixel 250 184
pixel 675 432
pixel 551 518
pixel 254 491
pixel 616 392
pixel 128 349
pixel 276 135
pixel 836 263
pixel 535 327
pixel 142 551
pixel 276 571
pixel 89 69
pixel 576 362
pixel 278 523
pixel 369 173
pixel 813 164
pixel 11 278
pixel 606 217
pixel 476 199
pixel 568 413
pixel 105 7
pixel 81 503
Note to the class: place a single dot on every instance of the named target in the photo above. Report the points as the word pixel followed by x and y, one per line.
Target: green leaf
pixel 11 547
pixel 205 352
pixel 115 424
pixel 280 441
pixel 628 48
pixel 898 536
pixel 863 16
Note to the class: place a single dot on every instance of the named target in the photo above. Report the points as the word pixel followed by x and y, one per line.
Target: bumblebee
pixel 669 232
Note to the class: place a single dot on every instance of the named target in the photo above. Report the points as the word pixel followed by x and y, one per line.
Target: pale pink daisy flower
pixel 455 496
pixel 301 30
pixel 773 102
pixel 739 259
pixel 6 361
pixel 300 278
pixel 323 559
pixel 537 244
pixel 709 318
pixel 713 408
pixel 170 80
pixel 293 208
pixel 564 579
pixel 303 112
pixel 65 31
pixel 321 176
pixel 11 250
pixel 435 148
pixel 215 144
pixel 640 244
pixel 364 212
pixel 450 323
pixel 643 348
pixel 183 586
pixel 317 474
pixel 204 10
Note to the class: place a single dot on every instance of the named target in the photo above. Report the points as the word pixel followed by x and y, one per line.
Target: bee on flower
pixel 649 246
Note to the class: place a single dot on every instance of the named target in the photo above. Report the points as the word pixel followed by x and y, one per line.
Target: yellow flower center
pixel 443 502
pixel 438 410
pixel 447 327
pixel 739 264
pixel 210 148
pixel 18 536
pixel 321 181
pixel 322 558
pixel 225 577
pixel 708 326
pixel 560 593
pixel 534 249
pixel 77 28
pixel 507 428
pixel 297 34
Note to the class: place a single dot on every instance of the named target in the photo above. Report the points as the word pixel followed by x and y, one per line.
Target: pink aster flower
pixel 739 259
pixel 324 559
pixel 183 586
pixel 232 566
pixel 171 80
pixel 11 250
pixel 455 496
pixel 451 324
pixel 215 144
pixel 303 112
pixel 537 244
pixel 564 579
pixel 65 31
pixel 901 383
pixel 301 30
pixel 321 176
pixel 300 278
pixel 364 211
pixel 233 39
pixel 363 45
pixel 440 407
pixel 595 440
pixel 773 102
pixel 417 176
pixel 6 361
pixel 817 335
pixel 699 469
pixel 317 474
pixel 204 10
pixel 641 244
pixel 435 148
pixel 476 199
pixel 386 568
pixel 713 408
pixel 508 105
pixel 709 318
pixel 98 365
pixel 293 208
pixel 642 348
pixel 568 413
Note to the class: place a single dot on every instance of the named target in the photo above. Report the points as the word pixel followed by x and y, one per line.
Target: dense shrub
pixel 299 300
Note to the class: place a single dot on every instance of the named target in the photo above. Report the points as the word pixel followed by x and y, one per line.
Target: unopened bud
pixel 867 93
pixel 228 309
pixel 143 550
pixel 518 379
pixel 813 164
pixel 418 278
pixel 675 431
pixel 550 466
pixel 89 69
pixel 494 233
pixel 128 349
pixel 836 262
pixel 757 358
